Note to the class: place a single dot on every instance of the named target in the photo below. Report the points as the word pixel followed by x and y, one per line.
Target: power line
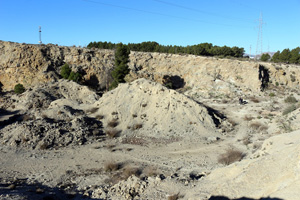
pixel 156 13
pixel 202 11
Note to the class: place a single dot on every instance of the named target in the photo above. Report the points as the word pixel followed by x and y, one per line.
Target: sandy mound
pixel 145 108
pixel 273 172
pixel 65 113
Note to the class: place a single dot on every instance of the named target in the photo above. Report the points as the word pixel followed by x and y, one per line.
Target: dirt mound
pixel 145 108
pixel 272 172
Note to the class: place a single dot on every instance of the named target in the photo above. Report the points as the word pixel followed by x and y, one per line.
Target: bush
pixel 76 77
pixel 19 89
pixel 290 99
pixel 272 94
pixel 65 71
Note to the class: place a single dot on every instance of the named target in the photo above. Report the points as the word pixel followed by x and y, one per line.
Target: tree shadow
pixel 173 82
pixel 242 198
pixel 21 190
pixel 8 117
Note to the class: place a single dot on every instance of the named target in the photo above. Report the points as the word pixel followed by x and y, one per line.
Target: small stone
pixel 12 187
pixel 39 191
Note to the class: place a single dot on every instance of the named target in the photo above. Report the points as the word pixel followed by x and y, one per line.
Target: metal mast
pixel 259 45
pixel 40 34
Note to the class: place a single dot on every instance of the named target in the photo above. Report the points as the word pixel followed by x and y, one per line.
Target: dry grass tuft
pixel 112 133
pixel 112 166
pixel 248 118
pixel 246 140
pixel 99 117
pixel 129 171
pixel 254 99
pixel 92 110
pixel 137 126
pixel 135 141
pixel 232 122
pixel 175 196
pixel 26 118
pixel 231 156
pixel 44 146
pixel 113 123
pixel 150 171
pixel 258 126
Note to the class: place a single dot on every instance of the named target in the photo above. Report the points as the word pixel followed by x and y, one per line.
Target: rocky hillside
pixel 60 139
pixel 209 75
pixel 31 64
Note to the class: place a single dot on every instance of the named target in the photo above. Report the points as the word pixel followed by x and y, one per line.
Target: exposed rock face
pixel 34 64
pixel 210 75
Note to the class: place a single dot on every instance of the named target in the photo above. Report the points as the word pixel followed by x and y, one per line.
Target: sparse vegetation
pixel 19 89
pixel 129 171
pixel 112 166
pixel 231 156
pixel 290 99
pixel 289 109
pixel 99 117
pixel 254 99
pixel 113 123
pixel 272 94
pixel 175 196
pixel 92 110
pixel 150 171
pixel 258 126
pixel 112 133
pixel 137 126
pixel 248 118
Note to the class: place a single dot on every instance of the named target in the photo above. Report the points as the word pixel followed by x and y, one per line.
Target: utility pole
pixel 40 34
pixel 250 52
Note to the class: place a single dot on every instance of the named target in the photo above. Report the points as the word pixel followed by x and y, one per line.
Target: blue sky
pixel 168 22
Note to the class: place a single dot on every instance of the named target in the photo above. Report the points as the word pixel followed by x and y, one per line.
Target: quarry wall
pixel 32 64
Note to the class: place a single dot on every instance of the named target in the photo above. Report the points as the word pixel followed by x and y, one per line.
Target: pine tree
pixel 121 68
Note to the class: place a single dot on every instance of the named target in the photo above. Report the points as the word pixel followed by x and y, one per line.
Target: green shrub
pixel 65 71
pixel 76 77
pixel 272 94
pixel 19 89
pixel 290 99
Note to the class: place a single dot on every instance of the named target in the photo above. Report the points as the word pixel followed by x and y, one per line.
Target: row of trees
pixel 287 56
pixel 203 49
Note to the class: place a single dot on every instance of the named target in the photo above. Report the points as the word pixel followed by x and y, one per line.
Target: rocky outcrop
pixel 209 74
pixel 33 64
